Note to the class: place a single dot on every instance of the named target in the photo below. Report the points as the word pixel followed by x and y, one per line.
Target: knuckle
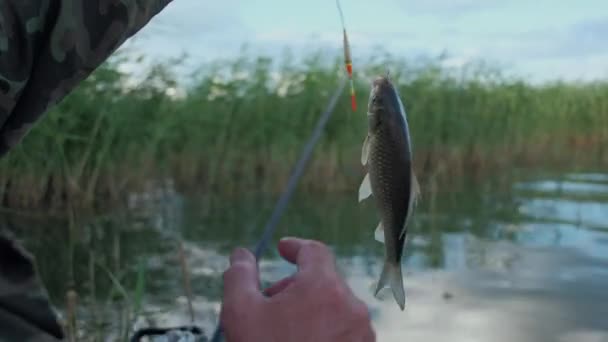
pixel 234 270
pixel 317 247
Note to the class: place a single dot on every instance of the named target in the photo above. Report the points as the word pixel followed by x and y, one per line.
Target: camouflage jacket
pixel 46 48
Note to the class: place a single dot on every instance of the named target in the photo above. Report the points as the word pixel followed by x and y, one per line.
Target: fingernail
pixel 241 254
pixel 290 238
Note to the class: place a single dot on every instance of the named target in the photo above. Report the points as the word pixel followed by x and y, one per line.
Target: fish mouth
pixel 381 83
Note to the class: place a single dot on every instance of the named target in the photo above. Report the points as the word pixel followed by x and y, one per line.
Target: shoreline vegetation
pixel 240 126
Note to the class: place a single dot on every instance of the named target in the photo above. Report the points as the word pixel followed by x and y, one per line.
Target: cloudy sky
pixel 540 39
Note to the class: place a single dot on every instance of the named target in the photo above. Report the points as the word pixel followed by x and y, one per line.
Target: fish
pixel 387 157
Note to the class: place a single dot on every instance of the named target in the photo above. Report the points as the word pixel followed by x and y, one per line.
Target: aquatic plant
pixel 240 124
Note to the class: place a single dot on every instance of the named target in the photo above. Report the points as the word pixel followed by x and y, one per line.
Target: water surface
pixel 526 264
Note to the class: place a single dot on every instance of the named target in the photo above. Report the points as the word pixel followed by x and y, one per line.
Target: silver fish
pixel 387 156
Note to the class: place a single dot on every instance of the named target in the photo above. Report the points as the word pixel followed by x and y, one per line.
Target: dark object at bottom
pixel 175 334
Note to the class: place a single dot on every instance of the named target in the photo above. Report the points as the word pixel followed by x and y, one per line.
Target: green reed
pixel 241 124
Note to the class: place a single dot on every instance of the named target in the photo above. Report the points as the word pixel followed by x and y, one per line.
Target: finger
pixel 307 254
pixel 241 255
pixel 278 286
pixel 241 279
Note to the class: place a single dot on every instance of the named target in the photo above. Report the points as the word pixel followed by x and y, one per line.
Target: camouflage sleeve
pixel 25 312
pixel 46 48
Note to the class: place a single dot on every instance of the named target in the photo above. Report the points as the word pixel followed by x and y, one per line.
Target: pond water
pixel 529 263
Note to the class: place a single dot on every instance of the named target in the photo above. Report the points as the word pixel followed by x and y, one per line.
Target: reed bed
pixel 240 124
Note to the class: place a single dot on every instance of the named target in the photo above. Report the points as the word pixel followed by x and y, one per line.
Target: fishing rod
pixel 297 173
pixel 298 170
pixel 279 208
pixel 305 156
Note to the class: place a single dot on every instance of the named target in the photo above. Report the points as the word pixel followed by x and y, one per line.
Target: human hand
pixel 314 304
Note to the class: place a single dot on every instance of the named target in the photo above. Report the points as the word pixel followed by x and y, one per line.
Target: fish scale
pixel 390 187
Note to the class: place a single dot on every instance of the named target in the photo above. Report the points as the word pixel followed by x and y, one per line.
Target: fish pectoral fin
pixel 379 233
pixel 365 190
pixel 365 150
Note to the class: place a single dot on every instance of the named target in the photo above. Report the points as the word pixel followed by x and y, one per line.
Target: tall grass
pixel 241 124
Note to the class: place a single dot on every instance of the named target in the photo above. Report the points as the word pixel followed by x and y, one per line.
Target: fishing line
pixel 291 185
pixel 341 15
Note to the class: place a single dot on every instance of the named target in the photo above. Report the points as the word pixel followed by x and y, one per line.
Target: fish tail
pixel 391 275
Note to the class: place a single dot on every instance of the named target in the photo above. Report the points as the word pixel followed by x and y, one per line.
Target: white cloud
pixel 544 35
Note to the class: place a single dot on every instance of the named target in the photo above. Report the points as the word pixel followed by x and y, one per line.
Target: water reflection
pixel 565 186
pixel 529 264
pixel 588 177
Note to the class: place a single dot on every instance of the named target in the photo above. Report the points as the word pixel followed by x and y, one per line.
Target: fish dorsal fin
pixel 365 190
pixel 365 151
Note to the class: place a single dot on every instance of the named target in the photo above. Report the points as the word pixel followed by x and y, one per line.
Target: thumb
pixel 241 279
